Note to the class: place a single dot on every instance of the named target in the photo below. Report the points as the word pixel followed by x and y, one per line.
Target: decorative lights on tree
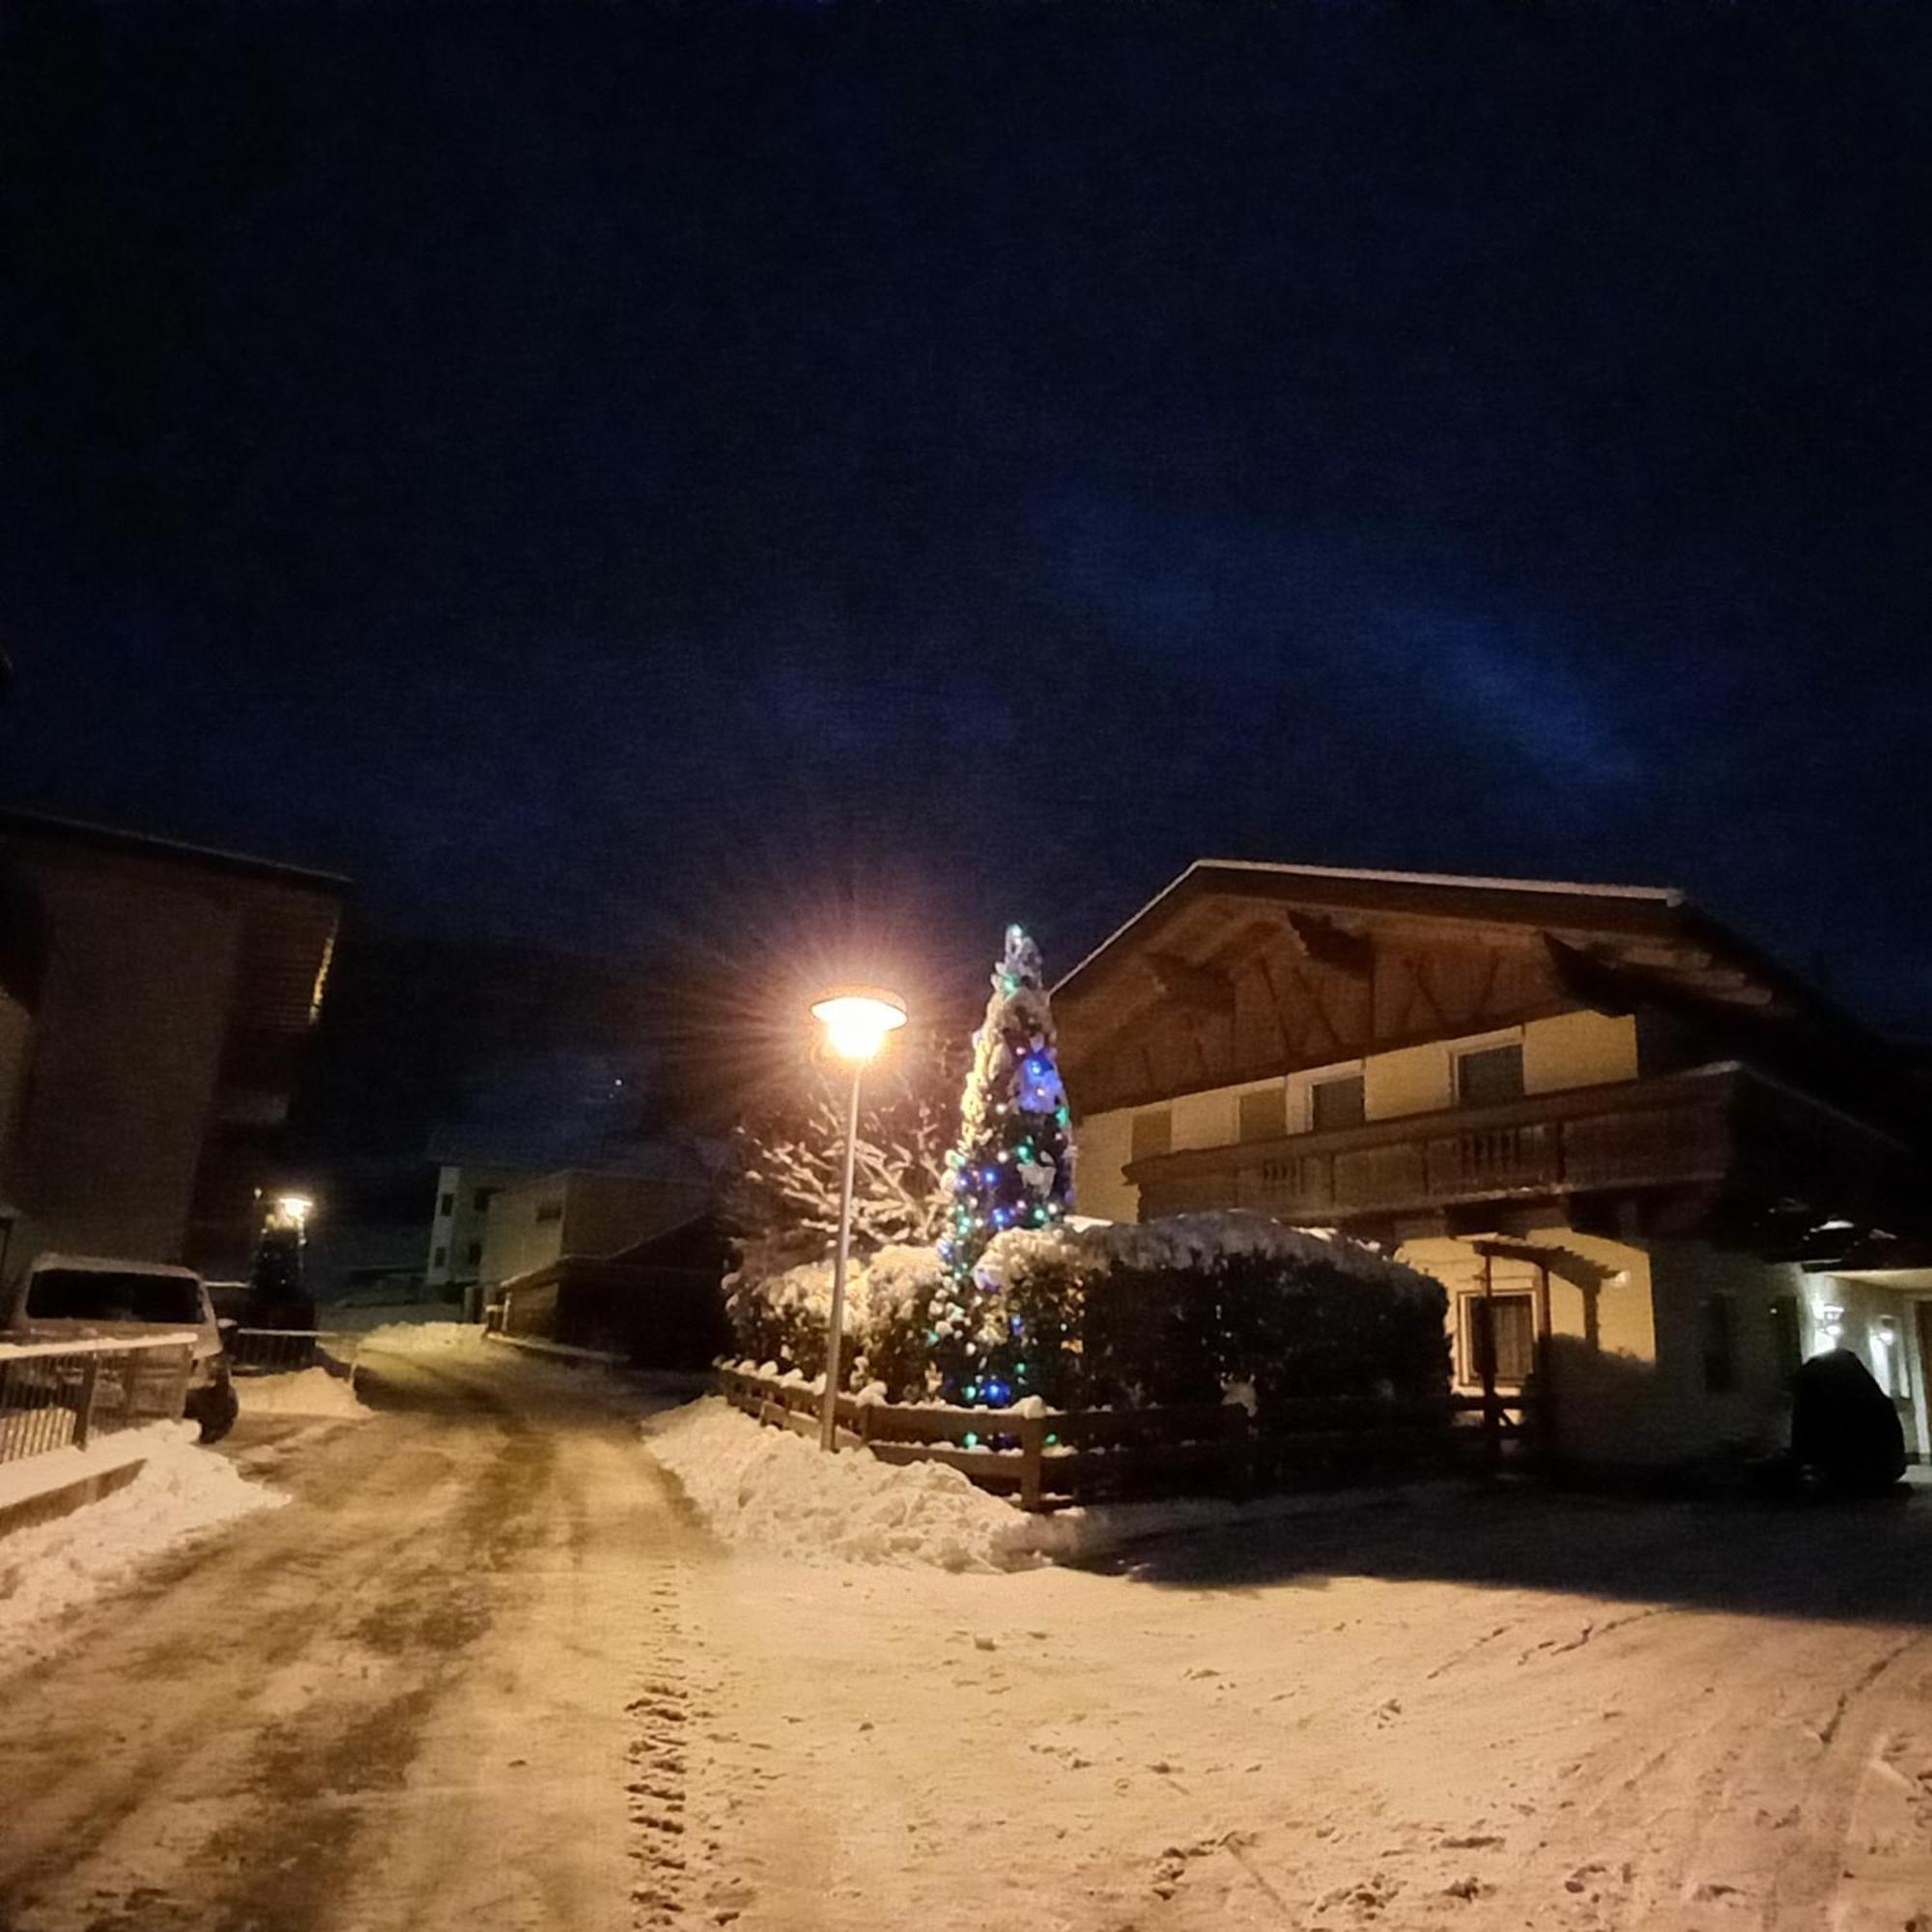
pixel 1013 1168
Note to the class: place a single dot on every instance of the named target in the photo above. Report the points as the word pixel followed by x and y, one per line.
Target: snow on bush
pixel 784 1318
pixel 1201 1307
pixel 770 1490
pixel 311 1391
pixel 1187 1309
pixel 182 1491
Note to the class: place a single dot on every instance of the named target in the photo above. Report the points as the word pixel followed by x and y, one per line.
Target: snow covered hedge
pixel 784 1318
pixel 1182 1310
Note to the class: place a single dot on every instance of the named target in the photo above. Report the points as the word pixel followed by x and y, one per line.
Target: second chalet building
pixel 1653 1169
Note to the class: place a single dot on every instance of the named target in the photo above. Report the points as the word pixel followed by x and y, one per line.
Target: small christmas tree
pixel 1013 1168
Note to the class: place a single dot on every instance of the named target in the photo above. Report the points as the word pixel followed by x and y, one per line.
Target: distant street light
pixel 857 1020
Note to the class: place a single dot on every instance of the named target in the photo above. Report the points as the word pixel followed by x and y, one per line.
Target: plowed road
pixel 399 1702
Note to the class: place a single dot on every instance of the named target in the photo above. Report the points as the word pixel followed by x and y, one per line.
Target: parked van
pixel 85 1296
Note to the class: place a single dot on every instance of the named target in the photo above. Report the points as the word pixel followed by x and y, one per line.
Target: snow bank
pixel 424 1338
pixel 774 1490
pixel 312 1391
pixel 183 1490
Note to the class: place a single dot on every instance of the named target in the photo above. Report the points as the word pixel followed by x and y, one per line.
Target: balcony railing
pixel 1673 1130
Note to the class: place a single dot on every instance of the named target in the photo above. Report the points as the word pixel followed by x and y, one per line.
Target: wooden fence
pixel 1065 1456
pixel 57 1395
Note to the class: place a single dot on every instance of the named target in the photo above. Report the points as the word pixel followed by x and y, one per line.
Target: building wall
pixel 524 1229
pixel 17 1038
pixel 127 1042
pixel 456 1237
pixel 536 1221
pixel 1101 1147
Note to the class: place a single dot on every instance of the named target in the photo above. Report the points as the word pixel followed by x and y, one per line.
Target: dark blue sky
pixel 605 475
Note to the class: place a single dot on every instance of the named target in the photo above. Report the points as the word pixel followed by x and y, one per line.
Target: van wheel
pixel 215 1410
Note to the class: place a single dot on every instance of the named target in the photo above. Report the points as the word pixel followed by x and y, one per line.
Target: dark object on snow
pixel 1844 1426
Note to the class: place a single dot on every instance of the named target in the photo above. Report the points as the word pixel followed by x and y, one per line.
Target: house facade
pixel 1653 1169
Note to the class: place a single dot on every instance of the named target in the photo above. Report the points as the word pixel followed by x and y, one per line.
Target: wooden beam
pixel 1198 989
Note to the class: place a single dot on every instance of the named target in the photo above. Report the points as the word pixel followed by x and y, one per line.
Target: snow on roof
pixel 110 1264
pixel 1655 894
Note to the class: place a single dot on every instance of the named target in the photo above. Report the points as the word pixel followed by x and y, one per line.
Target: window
pixel 475 1254
pixel 1488 1075
pixel 445 1207
pixel 440 1259
pixel 1265 1113
pixel 1153 1132
pixel 1500 1329
pixel 549 1211
pixel 1336 1103
pixel 481 1199
pixel 1717 1329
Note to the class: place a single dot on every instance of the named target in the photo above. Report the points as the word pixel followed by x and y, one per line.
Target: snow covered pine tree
pixel 1013 1168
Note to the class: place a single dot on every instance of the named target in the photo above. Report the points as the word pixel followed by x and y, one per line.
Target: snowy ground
pixel 488 1668
pixel 1455 1709
pixel 48 1573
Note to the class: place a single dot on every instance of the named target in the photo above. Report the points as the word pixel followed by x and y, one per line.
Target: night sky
pixel 693 482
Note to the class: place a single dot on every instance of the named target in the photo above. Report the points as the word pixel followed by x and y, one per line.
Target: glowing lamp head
pixel 858 1018
pixel 294 1209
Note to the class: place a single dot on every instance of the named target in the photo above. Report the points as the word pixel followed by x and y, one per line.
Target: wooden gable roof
pixel 1240 971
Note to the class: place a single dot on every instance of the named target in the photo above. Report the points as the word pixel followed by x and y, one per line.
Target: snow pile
pixel 774 1490
pixel 312 1391
pixel 182 1491
pixel 424 1338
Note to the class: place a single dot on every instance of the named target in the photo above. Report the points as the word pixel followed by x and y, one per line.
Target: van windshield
pixel 90 1295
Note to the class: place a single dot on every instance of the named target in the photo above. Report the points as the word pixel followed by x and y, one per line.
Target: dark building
pixel 155 1001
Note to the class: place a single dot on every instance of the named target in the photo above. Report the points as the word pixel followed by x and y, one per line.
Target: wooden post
pixel 1493 1418
pixel 83 1422
pixel 1033 1451
pixel 1539 1420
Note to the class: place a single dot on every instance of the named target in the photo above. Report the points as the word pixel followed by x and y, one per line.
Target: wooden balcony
pixel 1711 1127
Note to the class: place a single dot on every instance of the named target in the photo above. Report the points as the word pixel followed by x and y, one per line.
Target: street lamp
pixel 857 1020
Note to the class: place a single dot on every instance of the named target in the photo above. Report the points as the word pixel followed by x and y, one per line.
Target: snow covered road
pixel 485 1672
pixel 399 1702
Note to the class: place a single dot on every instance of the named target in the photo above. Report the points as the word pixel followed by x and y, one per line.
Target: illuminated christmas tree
pixel 1013 1168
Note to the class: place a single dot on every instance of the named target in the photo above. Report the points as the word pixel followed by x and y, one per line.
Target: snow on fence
pixel 1046 1458
pixel 57 1395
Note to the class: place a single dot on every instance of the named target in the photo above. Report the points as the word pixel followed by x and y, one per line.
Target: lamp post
pixel 857 1020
